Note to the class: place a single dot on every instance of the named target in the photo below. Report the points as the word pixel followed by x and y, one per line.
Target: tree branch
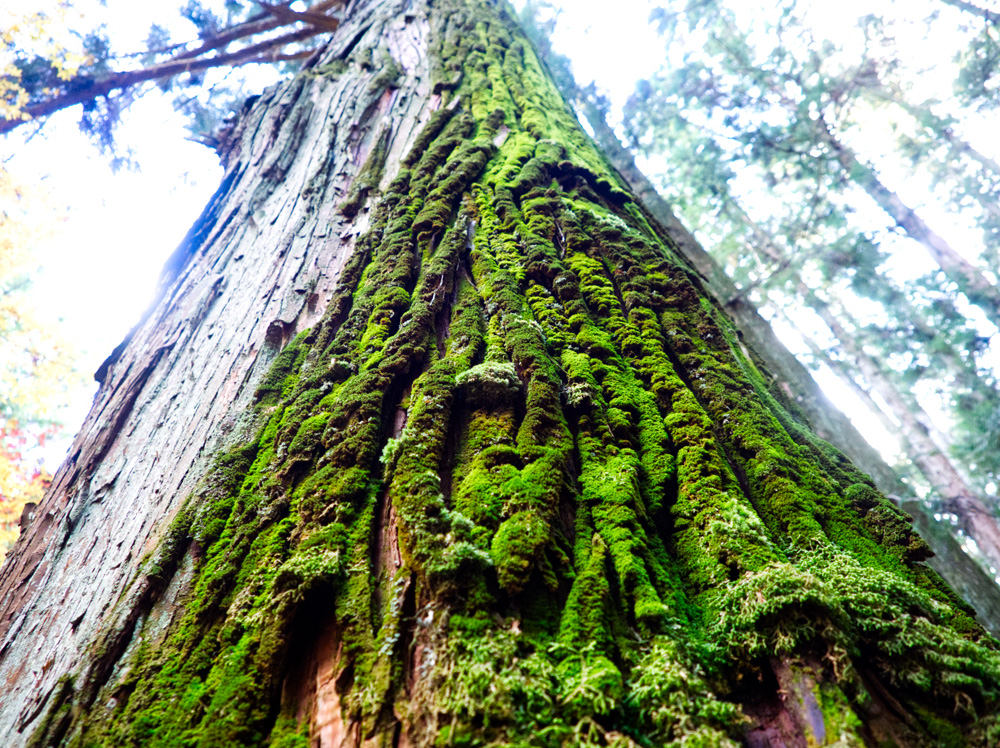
pixel 194 60
pixel 991 16
pixel 311 16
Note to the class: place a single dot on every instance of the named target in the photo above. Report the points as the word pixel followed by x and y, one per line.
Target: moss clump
pixel 517 547
pixel 489 384
pixel 671 697
pixel 862 618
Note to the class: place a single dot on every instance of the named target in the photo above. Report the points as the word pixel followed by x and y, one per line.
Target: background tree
pixel 767 106
pixel 431 436
pixel 32 34
pixel 977 80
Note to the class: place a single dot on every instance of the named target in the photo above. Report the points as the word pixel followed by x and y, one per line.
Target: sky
pixel 113 231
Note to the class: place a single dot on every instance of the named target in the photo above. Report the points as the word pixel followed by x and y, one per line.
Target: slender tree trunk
pixel 900 402
pixel 964 574
pixel 964 148
pixel 954 564
pixel 844 372
pixel 855 363
pixel 975 518
pixel 963 273
pixel 976 10
pixel 939 126
pixel 515 482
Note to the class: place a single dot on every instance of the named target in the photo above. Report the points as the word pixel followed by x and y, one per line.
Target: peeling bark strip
pixel 512 481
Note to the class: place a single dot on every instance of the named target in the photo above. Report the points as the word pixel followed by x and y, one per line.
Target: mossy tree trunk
pixel 432 438
pixel 795 387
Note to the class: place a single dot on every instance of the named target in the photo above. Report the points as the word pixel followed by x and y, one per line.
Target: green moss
pixel 518 546
pixel 587 617
pixel 856 615
pixel 388 75
pixel 675 704
pixel 57 720
pixel 946 734
pixel 289 733
pixel 281 378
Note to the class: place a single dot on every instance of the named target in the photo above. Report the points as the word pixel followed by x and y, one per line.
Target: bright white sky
pixel 101 267
pixel 112 231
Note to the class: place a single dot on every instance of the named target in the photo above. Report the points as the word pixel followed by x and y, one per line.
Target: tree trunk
pixel 989 15
pixel 431 439
pixel 940 127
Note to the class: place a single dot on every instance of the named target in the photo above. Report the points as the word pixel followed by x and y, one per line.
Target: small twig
pixel 286 15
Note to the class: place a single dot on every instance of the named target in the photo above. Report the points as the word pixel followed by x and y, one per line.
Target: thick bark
pixel 517 483
pixel 260 265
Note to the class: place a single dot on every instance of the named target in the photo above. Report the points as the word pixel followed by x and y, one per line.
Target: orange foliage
pixel 22 479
